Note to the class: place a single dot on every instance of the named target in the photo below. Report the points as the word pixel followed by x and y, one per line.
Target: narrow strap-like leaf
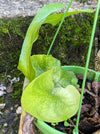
pixel 75 131
pixel 32 35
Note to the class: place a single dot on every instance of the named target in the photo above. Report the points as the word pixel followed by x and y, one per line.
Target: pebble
pixel 2 87
pixel 11 108
pixel 1 113
pixel 2 90
pixel 5 125
pixel 8 76
pixel 2 93
pixel 13 8
pixel 2 105
pixel 15 79
pixel 19 110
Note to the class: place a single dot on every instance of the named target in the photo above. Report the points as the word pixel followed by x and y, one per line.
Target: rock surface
pixel 15 8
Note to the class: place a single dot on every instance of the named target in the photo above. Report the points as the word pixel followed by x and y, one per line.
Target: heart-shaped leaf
pixel 47 101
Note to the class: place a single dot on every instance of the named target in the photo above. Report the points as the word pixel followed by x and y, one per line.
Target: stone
pixel 1 113
pixel 2 87
pixel 24 8
pixel 2 93
pixel 15 79
pixel 5 125
pixel 11 108
pixel 2 105
pixel 19 110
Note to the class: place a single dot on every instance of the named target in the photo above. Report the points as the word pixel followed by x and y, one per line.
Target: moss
pixel 14 27
pixel 17 92
pixel 2 100
pixel 12 33
pixel 2 76
pixel 70 46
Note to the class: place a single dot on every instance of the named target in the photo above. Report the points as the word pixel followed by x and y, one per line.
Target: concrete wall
pixel 15 8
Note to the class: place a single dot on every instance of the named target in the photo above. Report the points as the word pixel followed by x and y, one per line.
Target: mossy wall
pixel 70 47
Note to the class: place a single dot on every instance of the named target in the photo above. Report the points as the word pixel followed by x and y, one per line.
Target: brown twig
pixel 90 93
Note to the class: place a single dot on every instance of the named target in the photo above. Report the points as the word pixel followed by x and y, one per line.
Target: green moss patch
pixel 70 46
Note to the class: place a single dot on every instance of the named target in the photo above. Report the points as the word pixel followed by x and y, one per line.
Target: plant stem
pixel 86 67
pixel 59 27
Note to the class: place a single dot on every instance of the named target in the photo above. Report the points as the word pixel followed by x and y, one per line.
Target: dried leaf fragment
pixel 85 108
pixel 95 85
pixel 89 86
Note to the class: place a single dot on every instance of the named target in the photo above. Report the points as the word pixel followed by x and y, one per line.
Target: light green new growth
pixel 49 93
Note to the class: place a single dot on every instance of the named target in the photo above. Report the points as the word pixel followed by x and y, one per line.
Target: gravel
pixel 16 8
pixel 10 109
